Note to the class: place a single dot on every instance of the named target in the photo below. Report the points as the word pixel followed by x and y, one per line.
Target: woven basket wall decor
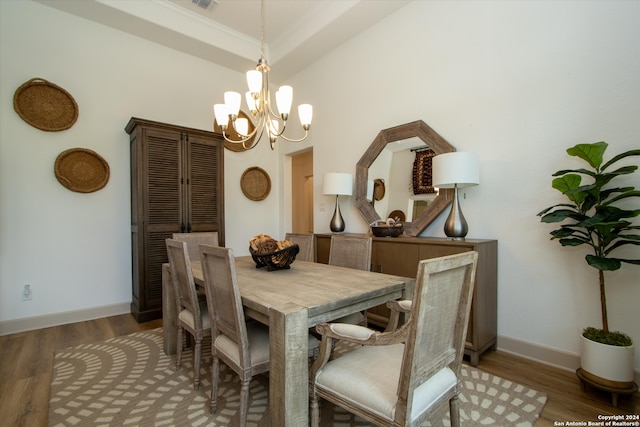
pixel 81 170
pixel 255 183
pixel 45 106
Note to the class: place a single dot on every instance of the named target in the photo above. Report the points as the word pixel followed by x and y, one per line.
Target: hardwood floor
pixel 26 365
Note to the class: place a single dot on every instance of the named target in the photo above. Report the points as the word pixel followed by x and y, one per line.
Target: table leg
pixel 289 369
pixel 169 314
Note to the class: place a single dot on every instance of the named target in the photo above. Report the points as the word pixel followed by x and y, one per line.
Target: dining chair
pixel 351 252
pixel 240 344
pixel 192 313
pixel 194 240
pixel 408 375
pixel 304 242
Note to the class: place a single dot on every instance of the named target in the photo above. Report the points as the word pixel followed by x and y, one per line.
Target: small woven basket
pixel 279 260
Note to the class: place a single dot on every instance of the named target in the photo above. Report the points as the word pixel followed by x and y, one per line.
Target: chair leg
pixel 244 401
pixel 179 348
pixel 454 411
pixel 196 364
pixel 215 375
pixel 315 410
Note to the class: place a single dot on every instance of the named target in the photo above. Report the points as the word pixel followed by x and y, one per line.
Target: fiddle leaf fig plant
pixel 593 218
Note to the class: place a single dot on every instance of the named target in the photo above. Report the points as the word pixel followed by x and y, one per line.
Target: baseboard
pixel 55 319
pixel 543 354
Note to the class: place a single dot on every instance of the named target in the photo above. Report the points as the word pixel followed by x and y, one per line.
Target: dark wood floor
pixel 26 364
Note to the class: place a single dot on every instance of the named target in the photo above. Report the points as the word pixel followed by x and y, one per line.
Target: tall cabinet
pixel 176 187
pixel 400 256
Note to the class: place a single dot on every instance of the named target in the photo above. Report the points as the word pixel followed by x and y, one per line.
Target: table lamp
pixel 455 170
pixel 338 184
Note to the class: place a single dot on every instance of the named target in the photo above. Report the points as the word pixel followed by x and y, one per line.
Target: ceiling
pixel 227 32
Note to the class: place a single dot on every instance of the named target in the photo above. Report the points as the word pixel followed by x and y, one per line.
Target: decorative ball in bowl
pixel 267 252
pixel 387 230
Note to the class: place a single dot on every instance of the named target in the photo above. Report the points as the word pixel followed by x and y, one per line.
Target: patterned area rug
pixel 129 381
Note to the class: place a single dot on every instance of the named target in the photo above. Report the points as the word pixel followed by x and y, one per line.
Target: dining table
pixel 290 301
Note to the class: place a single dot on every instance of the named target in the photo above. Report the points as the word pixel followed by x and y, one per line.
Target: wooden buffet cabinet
pixel 400 256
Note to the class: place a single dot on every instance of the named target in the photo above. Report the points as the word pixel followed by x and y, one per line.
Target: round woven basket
pixel 45 106
pixel 81 170
pixel 255 183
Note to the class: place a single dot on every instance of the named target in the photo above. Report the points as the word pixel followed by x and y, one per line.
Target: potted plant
pixel 593 219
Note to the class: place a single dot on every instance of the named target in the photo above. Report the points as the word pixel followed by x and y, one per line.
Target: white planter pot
pixel 609 365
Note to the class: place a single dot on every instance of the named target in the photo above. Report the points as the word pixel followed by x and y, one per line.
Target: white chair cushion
pixel 258 335
pixel 351 331
pixel 405 304
pixel 187 316
pixel 368 376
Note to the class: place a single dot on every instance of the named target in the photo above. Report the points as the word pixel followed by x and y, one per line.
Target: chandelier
pixel 258 99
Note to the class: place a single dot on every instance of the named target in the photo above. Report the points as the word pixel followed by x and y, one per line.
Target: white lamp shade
pixel 305 111
pixel 222 114
pixel 336 183
pixel 459 168
pixel 232 100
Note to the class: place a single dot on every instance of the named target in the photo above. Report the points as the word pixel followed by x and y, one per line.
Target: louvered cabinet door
pixel 204 189
pixel 163 203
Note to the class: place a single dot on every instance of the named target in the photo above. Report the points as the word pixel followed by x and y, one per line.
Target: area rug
pixel 129 381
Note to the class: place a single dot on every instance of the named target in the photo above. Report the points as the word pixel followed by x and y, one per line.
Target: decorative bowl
pixel 279 260
pixel 387 230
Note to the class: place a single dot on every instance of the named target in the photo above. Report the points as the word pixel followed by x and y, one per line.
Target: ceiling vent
pixel 204 3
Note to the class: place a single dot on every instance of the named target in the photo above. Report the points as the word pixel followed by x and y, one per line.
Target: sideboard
pixel 400 256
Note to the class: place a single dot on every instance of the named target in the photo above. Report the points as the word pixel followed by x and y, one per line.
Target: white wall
pixel 516 82
pixel 74 249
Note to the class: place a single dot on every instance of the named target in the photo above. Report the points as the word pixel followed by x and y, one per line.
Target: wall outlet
pixel 27 293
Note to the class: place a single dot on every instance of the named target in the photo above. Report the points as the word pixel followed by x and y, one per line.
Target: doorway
pixel 302 192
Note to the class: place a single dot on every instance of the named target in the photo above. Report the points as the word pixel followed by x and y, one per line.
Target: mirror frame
pixel 432 140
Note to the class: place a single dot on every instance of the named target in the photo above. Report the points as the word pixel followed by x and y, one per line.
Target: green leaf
pixel 601 263
pixel 573 242
pixel 565 184
pixel 621 156
pixel 591 153
pixel 560 215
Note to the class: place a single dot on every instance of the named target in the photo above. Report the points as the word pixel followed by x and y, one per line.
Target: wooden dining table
pixel 290 301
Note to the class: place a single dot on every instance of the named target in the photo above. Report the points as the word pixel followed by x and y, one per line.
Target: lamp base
pixel 456 227
pixel 337 222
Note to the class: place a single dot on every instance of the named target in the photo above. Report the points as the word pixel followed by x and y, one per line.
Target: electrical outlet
pixel 27 293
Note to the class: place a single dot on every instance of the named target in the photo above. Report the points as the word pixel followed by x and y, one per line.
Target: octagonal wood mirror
pixel 423 135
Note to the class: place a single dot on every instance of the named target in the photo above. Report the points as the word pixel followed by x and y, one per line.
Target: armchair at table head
pixel 421 359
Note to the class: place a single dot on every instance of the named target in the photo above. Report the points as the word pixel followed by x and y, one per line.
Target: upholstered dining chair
pixel 194 240
pixel 305 242
pixel 241 345
pixel 405 376
pixel 192 313
pixel 351 252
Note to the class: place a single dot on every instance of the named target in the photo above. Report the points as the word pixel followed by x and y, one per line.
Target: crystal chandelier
pixel 258 99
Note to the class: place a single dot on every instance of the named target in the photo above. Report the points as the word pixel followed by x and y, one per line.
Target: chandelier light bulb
pixel 284 98
pixel 242 126
pixel 305 111
pixel 251 102
pixel 221 113
pixel 254 81
pixel 232 101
